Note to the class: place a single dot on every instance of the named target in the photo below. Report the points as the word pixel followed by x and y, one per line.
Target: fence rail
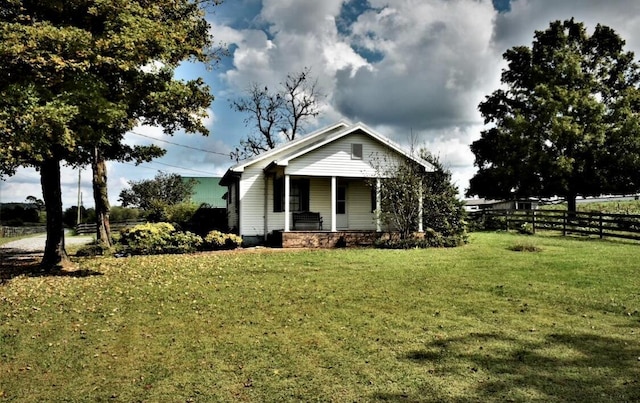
pixel 626 226
pixel 90 228
pixel 10 232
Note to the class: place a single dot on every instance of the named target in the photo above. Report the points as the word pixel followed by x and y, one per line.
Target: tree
pixel 75 77
pixel 566 123
pixel 400 193
pixel 443 211
pixel 277 115
pixel 408 193
pixel 157 194
pixel 38 204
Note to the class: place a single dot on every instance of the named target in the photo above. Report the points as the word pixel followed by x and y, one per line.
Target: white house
pixel 324 182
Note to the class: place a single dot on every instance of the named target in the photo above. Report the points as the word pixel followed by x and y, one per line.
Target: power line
pixel 172 166
pixel 186 169
pixel 179 145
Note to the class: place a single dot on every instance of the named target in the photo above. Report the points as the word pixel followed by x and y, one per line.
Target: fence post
pixel 600 226
pixel 564 223
pixel 506 220
pixel 533 221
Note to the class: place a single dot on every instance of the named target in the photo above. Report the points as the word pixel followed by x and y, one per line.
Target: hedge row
pixel 161 238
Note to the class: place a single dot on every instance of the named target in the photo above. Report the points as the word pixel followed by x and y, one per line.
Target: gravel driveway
pixel 34 245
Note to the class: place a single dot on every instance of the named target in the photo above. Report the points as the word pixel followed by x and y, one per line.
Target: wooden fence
pixel 10 232
pixel 90 228
pixel 602 225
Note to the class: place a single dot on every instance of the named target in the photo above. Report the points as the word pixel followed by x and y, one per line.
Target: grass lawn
pixel 475 323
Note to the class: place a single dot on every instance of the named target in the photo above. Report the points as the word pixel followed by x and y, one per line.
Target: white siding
pixel 252 202
pixel 359 206
pixel 334 159
pixel 275 220
pixel 232 207
pixel 320 200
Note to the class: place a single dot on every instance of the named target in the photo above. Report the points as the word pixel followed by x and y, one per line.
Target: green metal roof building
pixel 207 190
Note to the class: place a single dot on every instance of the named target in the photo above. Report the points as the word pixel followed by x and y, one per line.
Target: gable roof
pixel 303 145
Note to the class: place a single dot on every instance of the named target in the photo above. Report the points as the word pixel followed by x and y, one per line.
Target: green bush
pixel 94 250
pixel 181 213
pixel 485 221
pixel 216 240
pixel 184 242
pixel 526 228
pixel 431 239
pixel 157 238
pixel 118 213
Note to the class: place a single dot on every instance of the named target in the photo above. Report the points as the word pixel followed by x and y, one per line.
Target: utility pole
pixel 79 195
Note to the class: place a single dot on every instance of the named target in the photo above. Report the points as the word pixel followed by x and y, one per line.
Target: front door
pixel 342 218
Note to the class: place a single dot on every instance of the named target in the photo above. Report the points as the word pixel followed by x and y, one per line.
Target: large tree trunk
pixel 101 198
pixel 55 255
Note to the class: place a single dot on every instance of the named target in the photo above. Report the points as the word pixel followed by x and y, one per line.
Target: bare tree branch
pixel 274 113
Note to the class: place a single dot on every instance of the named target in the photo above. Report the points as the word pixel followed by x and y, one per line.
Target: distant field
pixel 619 207
pixel 475 323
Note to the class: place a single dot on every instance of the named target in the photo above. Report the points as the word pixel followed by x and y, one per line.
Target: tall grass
pixel 475 323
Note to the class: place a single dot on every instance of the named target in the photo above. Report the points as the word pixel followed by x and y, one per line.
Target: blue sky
pixel 403 67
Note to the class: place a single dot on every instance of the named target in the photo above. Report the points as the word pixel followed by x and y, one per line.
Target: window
pixel 298 195
pixel 341 200
pixel 356 151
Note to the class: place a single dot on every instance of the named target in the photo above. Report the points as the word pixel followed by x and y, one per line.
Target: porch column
pixel 287 190
pixel 265 221
pixel 420 211
pixel 334 192
pixel 378 203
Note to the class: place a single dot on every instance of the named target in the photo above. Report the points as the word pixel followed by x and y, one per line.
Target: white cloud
pixel 304 18
pixel 517 27
pixel 436 64
pixel 402 66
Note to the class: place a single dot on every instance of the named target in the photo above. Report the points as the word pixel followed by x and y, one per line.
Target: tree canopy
pixel 75 76
pixel 277 115
pixel 155 195
pixel 566 121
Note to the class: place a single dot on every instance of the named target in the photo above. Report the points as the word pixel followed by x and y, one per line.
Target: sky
pixel 413 70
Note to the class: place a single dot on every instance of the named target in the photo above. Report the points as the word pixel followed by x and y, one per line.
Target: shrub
pixel 216 240
pixel 118 213
pixel 157 238
pixel 206 219
pixel 431 239
pixel 181 213
pixel 526 228
pixel 524 247
pixel 184 242
pixel 93 250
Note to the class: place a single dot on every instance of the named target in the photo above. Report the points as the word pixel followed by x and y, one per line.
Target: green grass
pixel 475 323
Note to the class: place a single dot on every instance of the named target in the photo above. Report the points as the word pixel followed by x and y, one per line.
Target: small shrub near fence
pixel 626 226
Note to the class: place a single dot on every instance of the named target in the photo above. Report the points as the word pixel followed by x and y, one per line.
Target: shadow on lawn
pixel 594 368
pixel 17 262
